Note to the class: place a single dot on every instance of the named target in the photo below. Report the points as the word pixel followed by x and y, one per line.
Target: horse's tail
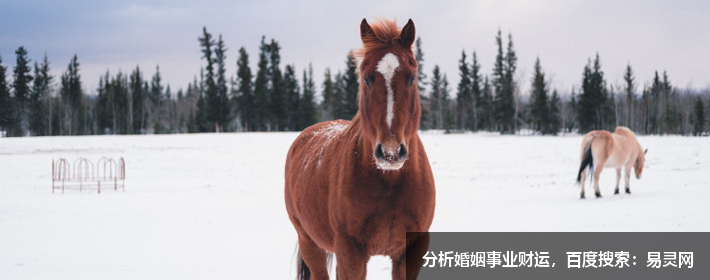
pixel 304 273
pixel 587 159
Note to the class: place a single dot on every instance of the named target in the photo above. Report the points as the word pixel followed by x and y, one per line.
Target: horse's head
pixel 638 165
pixel 389 97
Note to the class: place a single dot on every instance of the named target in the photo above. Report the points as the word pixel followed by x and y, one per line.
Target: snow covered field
pixel 210 206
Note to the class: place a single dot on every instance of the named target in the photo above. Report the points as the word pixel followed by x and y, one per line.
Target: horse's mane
pixel 386 33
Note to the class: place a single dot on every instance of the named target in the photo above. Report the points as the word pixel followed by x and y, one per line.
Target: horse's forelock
pixel 385 33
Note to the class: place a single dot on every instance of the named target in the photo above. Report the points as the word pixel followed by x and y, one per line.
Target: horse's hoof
pixel 581 196
pixel 616 192
pixel 598 195
pixel 628 191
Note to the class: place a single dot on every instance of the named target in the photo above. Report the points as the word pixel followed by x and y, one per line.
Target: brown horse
pixel 606 150
pixel 354 188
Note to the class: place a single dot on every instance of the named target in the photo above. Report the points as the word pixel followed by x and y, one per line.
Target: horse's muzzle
pixel 390 158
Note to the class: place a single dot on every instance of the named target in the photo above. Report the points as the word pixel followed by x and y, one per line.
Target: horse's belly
pixel 310 203
pixel 616 162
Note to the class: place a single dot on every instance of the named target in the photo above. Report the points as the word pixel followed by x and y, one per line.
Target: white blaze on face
pixel 387 66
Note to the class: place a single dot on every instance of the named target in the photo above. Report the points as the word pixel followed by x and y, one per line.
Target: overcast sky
pixel 118 35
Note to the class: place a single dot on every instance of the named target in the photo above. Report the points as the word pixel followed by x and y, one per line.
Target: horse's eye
pixel 411 81
pixel 367 82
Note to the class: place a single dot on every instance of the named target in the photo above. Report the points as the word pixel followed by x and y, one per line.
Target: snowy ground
pixel 210 206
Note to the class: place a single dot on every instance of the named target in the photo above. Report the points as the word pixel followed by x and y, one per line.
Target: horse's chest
pixel 385 230
pixel 383 225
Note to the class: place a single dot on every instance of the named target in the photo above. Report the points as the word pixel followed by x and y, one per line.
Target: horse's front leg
pixel 627 175
pixel 407 263
pixel 351 258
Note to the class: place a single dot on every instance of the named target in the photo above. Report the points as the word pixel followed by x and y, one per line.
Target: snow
pixel 210 206
pixel 328 132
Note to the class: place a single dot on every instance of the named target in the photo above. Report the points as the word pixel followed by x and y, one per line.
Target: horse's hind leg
pixel 583 177
pixel 315 259
pixel 618 179
pixel 597 173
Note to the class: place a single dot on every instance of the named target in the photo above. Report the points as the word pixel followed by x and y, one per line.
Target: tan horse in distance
pixel 610 150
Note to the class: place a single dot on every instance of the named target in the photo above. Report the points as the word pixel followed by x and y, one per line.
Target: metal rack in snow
pixel 82 174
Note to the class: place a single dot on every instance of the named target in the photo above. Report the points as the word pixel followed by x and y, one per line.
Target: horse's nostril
pixel 402 152
pixel 378 152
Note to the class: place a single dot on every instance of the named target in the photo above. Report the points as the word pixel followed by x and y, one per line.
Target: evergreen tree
pixel 138 106
pixel 156 102
pixel 699 117
pixel 21 86
pixel 498 80
pixel 104 106
pixel 72 97
pixel 421 85
pixel 307 113
pixel 487 110
pixel 201 123
pixel 245 90
pixel 262 102
pixel 209 99
pixel 329 97
pixel 573 105
pixel 630 90
pixel 220 105
pixel 449 122
pixel 504 84
pixel 655 106
pixel 464 97
pixel 338 101
pixel 40 94
pixel 292 95
pixel 279 106
pixel 555 117
pixel 509 98
pixel 539 111
pixel 475 94
pixel 610 111
pixel 7 104
pixel 351 83
pixel 671 117
pixel 118 95
pixel 438 99
pixel 593 107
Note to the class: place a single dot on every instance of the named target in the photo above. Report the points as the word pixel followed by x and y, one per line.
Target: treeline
pixel 275 98
pixel 497 104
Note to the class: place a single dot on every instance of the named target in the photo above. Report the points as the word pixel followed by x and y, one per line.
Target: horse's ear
pixel 406 37
pixel 645 151
pixel 365 30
